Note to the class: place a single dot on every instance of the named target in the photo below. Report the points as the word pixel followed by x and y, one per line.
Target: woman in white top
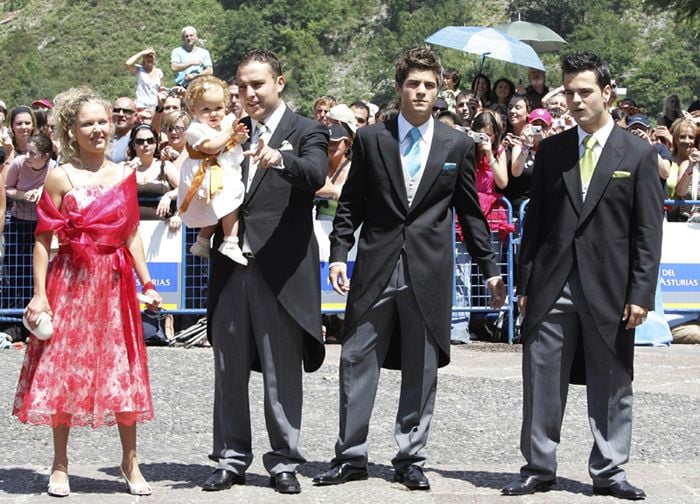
pixel 148 78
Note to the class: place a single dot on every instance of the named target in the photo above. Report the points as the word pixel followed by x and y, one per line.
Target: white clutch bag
pixel 44 327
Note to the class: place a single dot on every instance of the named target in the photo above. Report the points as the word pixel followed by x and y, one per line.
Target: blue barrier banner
pixel 680 277
pixel 165 276
pixel 679 272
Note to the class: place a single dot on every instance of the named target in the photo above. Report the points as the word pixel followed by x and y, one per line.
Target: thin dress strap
pixel 68 177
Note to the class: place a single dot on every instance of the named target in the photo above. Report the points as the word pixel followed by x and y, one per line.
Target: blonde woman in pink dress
pixel 93 369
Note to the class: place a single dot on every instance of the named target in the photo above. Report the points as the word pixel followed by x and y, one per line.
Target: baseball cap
pixel 343 114
pixel 42 103
pixel 638 119
pixel 337 133
pixel 440 104
pixel 540 114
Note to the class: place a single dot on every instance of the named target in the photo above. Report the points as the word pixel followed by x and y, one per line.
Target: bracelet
pixel 148 286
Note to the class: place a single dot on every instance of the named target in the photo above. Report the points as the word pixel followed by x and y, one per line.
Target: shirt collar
pixel 425 129
pixel 273 119
pixel 601 135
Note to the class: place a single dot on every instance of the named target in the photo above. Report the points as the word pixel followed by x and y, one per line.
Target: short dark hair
pixel 582 61
pixel 418 58
pixel 262 56
pixel 361 104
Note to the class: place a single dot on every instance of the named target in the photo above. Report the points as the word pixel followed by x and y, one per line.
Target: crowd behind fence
pixel 16 280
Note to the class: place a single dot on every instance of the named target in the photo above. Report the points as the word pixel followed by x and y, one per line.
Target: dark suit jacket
pixel 375 196
pixel 276 216
pixel 613 238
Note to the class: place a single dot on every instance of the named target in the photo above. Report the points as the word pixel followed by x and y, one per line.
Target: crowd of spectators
pixel 507 122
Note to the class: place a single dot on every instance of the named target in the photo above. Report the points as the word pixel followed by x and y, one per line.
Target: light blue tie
pixel 412 154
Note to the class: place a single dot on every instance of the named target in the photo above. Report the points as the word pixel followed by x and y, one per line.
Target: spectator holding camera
pixel 189 60
pixel 491 171
pixel 522 156
pixel 640 126
pixel 148 78
pixel 169 100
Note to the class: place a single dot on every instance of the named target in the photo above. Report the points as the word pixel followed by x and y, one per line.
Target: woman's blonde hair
pixel 678 127
pixel 173 117
pixel 201 85
pixel 66 108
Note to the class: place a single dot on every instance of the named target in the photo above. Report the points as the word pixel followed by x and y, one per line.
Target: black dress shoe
pixel 340 473
pixel 621 490
pixel 529 485
pixel 285 483
pixel 413 478
pixel 221 479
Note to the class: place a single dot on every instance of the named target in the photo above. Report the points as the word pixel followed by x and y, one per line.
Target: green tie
pixel 587 162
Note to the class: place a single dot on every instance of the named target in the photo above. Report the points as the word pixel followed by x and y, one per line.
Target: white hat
pixel 343 114
pixel 3 106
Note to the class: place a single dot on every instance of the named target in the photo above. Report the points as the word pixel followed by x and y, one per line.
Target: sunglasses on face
pixel 177 129
pixel 141 141
pixel 124 111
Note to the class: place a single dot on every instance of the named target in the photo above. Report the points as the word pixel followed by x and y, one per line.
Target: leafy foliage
pixel 341 47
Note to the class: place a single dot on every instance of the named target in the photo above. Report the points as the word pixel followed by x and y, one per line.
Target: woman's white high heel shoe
pixel 58 489
pixel 136 488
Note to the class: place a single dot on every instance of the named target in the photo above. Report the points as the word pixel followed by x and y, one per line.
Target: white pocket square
pixel 286 146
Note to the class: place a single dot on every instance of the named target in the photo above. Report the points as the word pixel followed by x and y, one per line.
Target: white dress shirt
pixel 601 136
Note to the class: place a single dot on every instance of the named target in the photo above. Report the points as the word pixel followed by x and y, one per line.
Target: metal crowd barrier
pixel 668 204
pixel 478 300
pixel 16 275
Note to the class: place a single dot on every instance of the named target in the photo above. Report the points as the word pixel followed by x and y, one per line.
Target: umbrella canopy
pixel 486 42
pixel 541 38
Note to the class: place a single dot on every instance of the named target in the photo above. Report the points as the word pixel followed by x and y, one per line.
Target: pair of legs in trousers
pixel 249 321
pixel 362 354
pixel 548 355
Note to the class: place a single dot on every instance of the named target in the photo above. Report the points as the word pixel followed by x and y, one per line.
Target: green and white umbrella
pixel 541 38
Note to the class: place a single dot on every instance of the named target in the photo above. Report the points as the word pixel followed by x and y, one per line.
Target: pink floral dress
pixel 94 366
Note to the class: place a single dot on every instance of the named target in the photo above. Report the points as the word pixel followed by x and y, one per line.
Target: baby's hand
pixel 239 132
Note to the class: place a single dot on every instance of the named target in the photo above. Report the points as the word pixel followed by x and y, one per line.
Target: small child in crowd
pixel 210 179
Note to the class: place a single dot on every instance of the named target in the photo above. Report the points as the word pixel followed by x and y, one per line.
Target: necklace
pixel 83 166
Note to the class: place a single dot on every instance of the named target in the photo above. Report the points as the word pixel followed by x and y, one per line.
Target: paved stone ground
pixel 472 452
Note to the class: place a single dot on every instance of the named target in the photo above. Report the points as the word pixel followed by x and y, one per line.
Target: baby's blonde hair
pixel 201 85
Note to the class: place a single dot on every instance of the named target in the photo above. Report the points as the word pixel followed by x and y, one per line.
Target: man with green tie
pixel 588 267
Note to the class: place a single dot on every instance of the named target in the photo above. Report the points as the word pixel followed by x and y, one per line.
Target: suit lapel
pixel 609 160
pixel 389 145
pixel 439 148
pixel 282 132
pixel 571 171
